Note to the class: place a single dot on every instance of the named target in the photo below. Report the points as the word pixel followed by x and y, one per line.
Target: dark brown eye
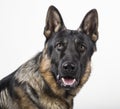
pixel 59 45
pixel 82 48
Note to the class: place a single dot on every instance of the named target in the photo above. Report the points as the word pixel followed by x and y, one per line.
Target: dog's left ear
pixel 89 25
pixel 54 22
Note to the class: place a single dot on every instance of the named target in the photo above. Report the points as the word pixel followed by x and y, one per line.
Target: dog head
pixel 70 51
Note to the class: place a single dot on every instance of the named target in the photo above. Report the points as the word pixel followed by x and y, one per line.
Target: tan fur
pixel 5 96
pixel 53 103
pixel 94 37
pixel 45 71
pixel 47 33
pixel 87 73
pixel 24 102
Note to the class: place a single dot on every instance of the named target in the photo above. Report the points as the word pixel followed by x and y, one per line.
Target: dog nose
pixel 69 67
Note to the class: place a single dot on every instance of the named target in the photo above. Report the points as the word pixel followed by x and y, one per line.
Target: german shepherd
pixel 52 78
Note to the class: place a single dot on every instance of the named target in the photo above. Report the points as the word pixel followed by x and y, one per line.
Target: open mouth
pixel 67 81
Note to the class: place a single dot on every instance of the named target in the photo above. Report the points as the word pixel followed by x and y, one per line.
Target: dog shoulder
pixel 22 73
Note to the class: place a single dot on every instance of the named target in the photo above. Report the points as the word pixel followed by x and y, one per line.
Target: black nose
pixel 69 67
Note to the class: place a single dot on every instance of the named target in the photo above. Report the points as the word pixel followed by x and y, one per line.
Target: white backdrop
pixel 21 37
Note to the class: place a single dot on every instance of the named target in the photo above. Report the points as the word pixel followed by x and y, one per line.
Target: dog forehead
pixel 68 35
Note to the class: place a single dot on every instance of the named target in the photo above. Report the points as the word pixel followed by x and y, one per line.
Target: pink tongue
pixel 67 81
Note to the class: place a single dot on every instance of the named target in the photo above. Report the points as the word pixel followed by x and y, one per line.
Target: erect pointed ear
pixel 54 22
pixel 89 25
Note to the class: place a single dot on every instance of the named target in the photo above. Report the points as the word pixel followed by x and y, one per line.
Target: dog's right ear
pixel 54 22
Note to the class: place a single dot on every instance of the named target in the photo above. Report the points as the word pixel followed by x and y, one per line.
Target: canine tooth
pixel 58 76
pixel 63 82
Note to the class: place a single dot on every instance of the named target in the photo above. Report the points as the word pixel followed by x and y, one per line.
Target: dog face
pixel 70 51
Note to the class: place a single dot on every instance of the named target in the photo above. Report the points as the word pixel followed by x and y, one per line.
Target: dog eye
pixel 82 48
pixel 59 45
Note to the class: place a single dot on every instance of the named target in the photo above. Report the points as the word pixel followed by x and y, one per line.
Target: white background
pixel 21 37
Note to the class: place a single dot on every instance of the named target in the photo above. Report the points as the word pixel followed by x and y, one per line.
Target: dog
pixel 52 78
